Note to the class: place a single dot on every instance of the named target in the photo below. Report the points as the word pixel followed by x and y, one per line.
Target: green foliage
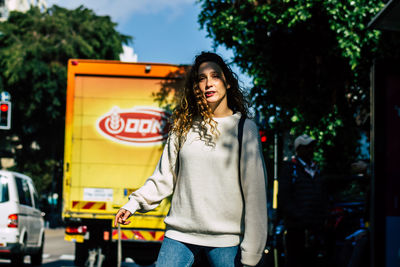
pixel 310 63
pixel 34 49
pixel 42 172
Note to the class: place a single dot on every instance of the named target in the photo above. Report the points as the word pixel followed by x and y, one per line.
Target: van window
pixel 35 195
pixel 24 194
pixel 4 189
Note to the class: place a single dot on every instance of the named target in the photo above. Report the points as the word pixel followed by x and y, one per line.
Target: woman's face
pixel 212 83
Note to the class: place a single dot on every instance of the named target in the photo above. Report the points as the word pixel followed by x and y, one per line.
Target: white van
pixel 21 221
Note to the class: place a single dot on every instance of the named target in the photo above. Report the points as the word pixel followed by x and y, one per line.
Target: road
pixel 60 253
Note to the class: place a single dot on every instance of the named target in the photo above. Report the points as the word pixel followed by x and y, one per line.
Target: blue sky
pixel 164 31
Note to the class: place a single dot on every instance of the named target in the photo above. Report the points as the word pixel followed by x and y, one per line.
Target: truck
pixel 116 124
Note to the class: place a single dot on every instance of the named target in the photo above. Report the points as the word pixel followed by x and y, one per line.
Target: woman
pixel 199 168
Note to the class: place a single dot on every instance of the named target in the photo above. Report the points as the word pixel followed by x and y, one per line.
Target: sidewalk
pixel 53 232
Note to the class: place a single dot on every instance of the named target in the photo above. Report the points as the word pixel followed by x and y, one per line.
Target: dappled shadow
pixel 171 89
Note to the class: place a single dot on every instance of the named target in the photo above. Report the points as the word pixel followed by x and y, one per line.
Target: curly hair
pixel 193 104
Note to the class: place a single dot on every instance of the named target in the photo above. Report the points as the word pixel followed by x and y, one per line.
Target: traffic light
pixel 5 115
pixel 263 136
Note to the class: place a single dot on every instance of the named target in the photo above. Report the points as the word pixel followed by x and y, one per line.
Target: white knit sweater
pixel 207 205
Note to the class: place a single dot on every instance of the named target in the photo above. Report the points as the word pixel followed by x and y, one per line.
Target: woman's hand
pixel 122 217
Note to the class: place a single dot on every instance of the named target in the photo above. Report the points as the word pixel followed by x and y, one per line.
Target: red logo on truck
pixel 137 126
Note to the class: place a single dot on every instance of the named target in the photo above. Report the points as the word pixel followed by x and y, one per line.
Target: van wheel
pixel 17 260
pixel 37 258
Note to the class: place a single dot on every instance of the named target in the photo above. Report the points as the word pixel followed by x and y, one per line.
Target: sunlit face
pixel 212 83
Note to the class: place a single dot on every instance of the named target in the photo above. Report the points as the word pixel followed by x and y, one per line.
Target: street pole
pixel 275 192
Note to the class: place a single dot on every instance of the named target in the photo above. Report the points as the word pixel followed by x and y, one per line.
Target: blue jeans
pixel 179 254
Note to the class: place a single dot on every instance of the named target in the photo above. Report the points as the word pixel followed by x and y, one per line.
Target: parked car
pixel 21 221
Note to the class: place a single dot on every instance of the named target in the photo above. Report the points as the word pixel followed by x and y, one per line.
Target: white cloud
pixel 128 55
pixel 121 10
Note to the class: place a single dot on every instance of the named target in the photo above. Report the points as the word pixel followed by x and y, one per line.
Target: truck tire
pixel 81 254
pixel 111 258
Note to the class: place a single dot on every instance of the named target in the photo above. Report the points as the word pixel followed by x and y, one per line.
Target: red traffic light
pixel 263 135
pixel 4 107
pixel 5 115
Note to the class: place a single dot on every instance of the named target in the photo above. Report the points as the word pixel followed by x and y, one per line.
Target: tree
pixel 310 63
pixel 34 49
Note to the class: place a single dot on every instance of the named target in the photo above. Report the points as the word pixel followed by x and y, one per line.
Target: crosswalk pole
pixel 119 255
pixel 275 194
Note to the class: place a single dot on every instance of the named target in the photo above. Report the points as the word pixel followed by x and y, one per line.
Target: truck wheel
pixel 111 257
pixel 37 258
pixel 81 254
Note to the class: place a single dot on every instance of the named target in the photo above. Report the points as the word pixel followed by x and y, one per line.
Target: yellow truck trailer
pixel 114 134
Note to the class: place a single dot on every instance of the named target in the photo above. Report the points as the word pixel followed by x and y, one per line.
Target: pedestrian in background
pixel 213 209
pixel 303 204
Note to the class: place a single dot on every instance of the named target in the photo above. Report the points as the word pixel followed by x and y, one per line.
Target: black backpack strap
pixel 240 139
pixel 293 164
